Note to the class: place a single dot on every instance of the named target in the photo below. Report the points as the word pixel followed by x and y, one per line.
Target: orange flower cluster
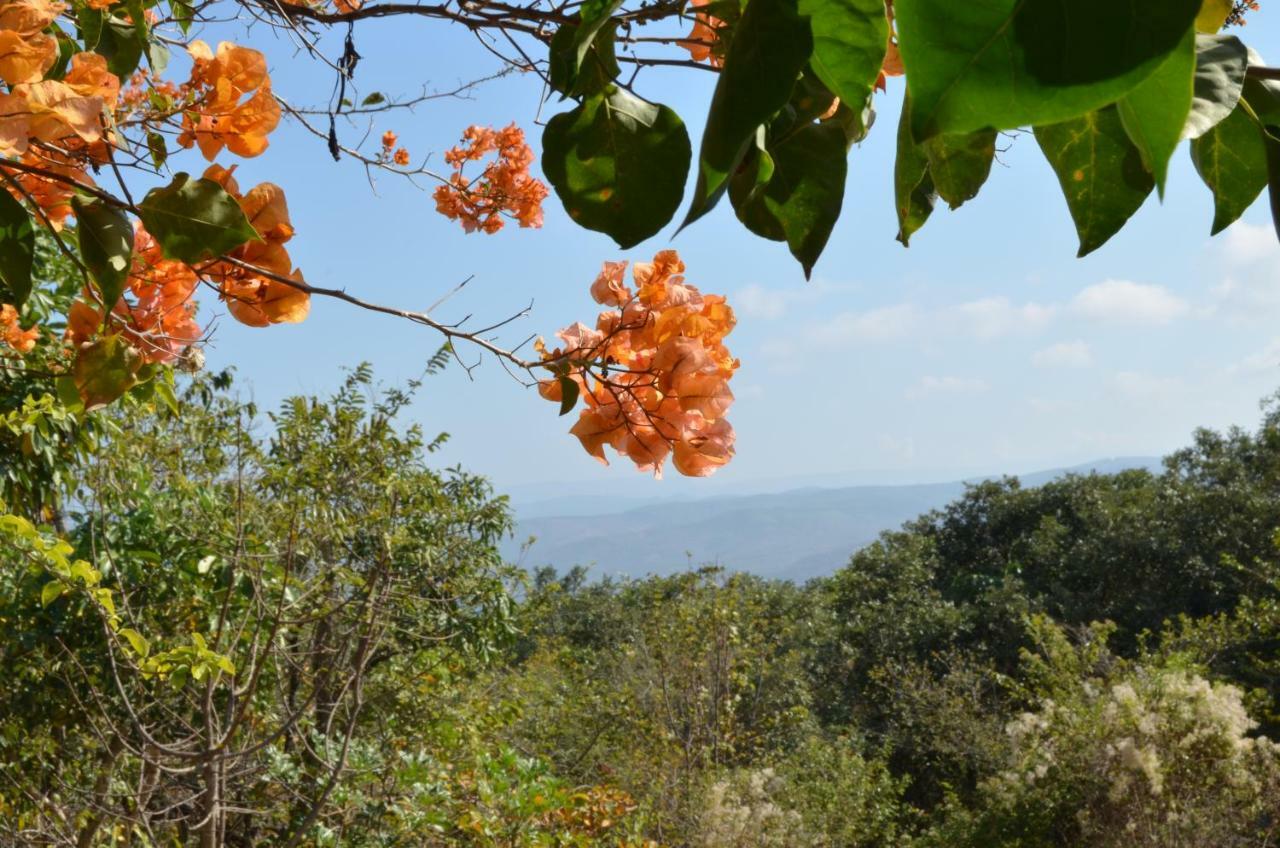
pixel 218 117
pixel 703 37
pixel 160 322
pixel 11 332
pixel 654 372
pixel 400 156
pixel 252 298
pixel 505 187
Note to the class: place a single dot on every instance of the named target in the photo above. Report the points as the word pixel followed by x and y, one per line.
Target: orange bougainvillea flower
pixel 653 373
pixel 346 7
pixel 504 188
pixel 52 196
pixel 27 53
pixel 260 298
pixel 220 116
pixel 401 157
pixel 703 37
pixel 11 332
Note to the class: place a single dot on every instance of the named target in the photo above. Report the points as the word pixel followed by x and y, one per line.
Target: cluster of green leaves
pixel 1110 97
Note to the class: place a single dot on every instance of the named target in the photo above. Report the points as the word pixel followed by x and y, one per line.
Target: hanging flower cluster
pixel 703 41
pixel 505 188
pixel 653 373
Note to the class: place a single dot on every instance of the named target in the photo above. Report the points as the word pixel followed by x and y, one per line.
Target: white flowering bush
pixel 1132 755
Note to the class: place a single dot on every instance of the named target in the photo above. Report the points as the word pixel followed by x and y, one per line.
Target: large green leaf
pixel 194 219
pixel 1155 113
pixel 106 245
pixel 1001 64
pixel 913 189
pixel 104 370
pixel 771 45
pixel 17 249
pixel 581 76
pixel 960 164
pixel 618 164
pixel 797 198
pixel 849 42
pixel 1231 158
pixel 1271 138
pixel 1101 173
pixel 1221 62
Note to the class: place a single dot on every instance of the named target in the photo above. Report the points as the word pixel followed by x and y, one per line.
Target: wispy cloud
pixel 1260 362
pixel 930 386
pixel 1124 301
pixel 1076 354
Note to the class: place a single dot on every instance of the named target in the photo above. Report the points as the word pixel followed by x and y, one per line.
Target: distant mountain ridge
pixel 794 534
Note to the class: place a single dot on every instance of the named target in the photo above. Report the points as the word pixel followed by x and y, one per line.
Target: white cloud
pixel 994 317
pixel 1129 302
pixel 1137 385
pixel 1075 354
pixel 1245 244
pixel 928 386
pixel 888 323
pixel 1267 359
pixel 758 301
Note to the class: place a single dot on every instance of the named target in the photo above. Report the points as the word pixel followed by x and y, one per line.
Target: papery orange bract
pixel 254 298
pixel 504 188
pixel 11 332
pixel 218 117
pixel 52 196
pixel 26 53
pixel 653 373
pixel 703 37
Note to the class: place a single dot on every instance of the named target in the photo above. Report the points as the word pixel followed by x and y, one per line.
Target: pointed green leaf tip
pixel 193 220
pixel 1100 171
pixel 770 47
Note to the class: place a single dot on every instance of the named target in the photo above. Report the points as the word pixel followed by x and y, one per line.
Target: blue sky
pixel 985 347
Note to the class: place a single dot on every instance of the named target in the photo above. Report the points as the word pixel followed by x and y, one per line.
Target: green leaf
pixel 194 219
pixel 182 13
pixel 1231 158
pixel 849 42
pixel 913 189
pixel 770 46
pixel 592 16
pixel 106 245
pixel 52 590
pixel 1002 64
pixel 136 641
pixel 158 149
pixel 568 393
pixel 104 370
pixel 17 248
pixel 68 394
pixel 1221 62
pixel 1101 173
pixel 89 21
pixel 960 164
pixel 1213 14
pixel 581 77
pixel 618 164
pixel 797 196
pixel 1271 138
pixel 119 43
pixel 1155 113
pixel 165 392
pixel 374 99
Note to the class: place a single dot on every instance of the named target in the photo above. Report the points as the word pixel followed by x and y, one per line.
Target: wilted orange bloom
pixel 255 298
pixel 702 38
pixel 505 188
pixel 388 140
pixel 401 157
pixel 653 373
pixel 218 116
pixel 11 332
